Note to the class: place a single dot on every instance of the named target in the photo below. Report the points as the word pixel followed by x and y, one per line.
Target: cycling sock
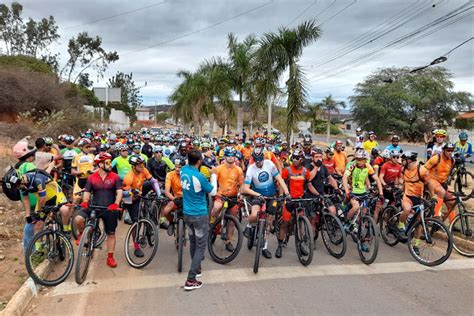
pixel 265 246
pixel 401 225
pixel 110 255
pixel 67 228
pixel 136 246
pixel 438 206
pixel 452 215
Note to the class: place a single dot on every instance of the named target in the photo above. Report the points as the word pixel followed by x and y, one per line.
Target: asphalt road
pixel 395 284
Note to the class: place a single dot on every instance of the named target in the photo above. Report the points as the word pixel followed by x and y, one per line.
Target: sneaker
pixel 364 248
pixel 266 253
pixel 192 285
pixel 247 231
pixel 164 225
pixel 78 240
pixel 401 233
pixel 128 221
pixel 170 230
pixel 229 247
pixel 199 273
pixel 139 253
pixel 278 252
pixel 111 262
pixel 416 250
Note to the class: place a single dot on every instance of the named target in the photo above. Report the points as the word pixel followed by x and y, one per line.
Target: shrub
pixel 27 63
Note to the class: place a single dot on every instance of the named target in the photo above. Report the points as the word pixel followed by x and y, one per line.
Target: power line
pixel 302 12
pixel 118 14
pixel 325 9
pixel 339 12
pixel 201 29
pixel 469 39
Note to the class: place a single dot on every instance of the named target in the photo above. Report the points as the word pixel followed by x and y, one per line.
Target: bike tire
pixel 145 228
pixel 84 255
pixel 52 238
pixel 212 238
pixel 463 237
pixel 388 225
pixel 430 223
pixel 332 233
pixel 304 234
pixel 181 237
pixel 367 235
pixel 259 245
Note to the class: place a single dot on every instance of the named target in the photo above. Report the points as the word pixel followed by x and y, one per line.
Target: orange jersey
pixel 174 182
pixel 340 161
pixel 133 180
pixel 229 179
pixel 414 182
pixel 266 155
pixel 439 168
pixel 246 152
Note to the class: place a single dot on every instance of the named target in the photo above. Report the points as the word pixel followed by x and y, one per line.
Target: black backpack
pixel 11 190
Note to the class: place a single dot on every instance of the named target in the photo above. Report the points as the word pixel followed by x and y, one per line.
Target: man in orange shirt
pixel 268 154
pixel 439 167
pixel 230 178
pixel 340 159
pixel 174 192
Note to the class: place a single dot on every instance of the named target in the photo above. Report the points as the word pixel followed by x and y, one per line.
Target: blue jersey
pixel 261 179
pixel 195 187
pixel 464 149
pixel 391 147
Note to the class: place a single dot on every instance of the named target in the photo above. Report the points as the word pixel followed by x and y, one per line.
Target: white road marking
pixel 223 276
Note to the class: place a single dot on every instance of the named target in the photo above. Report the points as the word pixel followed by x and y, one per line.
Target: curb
pixel 20 301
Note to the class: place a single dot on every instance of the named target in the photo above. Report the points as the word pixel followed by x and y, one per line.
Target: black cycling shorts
pixel 110 219
pixel 271 206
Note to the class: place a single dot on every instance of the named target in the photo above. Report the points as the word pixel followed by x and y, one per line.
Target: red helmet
pixel 103 156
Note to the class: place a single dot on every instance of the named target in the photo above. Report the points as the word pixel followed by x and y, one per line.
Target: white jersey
pixel 437 149
pixel 261 179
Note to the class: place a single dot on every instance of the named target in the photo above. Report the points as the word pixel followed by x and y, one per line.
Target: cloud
pixel 129 34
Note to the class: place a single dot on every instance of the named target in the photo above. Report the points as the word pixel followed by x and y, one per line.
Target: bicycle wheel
pixel 430 249
pixel 461 229
pixel 367 240
pixel 180 234
pixel 304 240
pixel 141 235
pixel 223 232
pixel 259 245
pixel 84 254
pixel 49 258
pixel 333 235
pixel 100 233
pixel 388 225
pixel 464 183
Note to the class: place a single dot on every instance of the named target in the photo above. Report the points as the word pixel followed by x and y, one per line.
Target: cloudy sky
pixel 155 39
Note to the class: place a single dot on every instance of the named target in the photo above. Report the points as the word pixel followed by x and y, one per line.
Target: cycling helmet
pixel 137 146
pixel 395 138
pixel 449 146
pixel 371 133
pixel 101 157
pixel 338 142
pixel 84 142
pixel 104 147
pixel 410 155
pixel 329 150
pixel 130 141
pixel 307 141
pixel 374 152
pixel 48 140
pixel 69 139
pixel 297 154
pixel 147 137
pixel 360 154
pixel 122 147
pixel 394 153
pixel 257 154
pixel 136 160
pixel 440 133
pixel 463 136
pixel 179 162
pixel 205 145
pixel 230 152
pixel 260 141
pixel 157 149
pixel 196 143
pixel 112 137
pixel 386 153
pixel 358 129
pixel 232 142
pixel 284 143
pixel 22 151
pixel 183 145
pixel 317 150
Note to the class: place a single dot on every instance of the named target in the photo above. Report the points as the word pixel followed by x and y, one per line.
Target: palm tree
pixel 281 51
pixel 329 105
pixel 240 58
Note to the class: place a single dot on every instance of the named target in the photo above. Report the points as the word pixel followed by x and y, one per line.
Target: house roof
pixel 467 115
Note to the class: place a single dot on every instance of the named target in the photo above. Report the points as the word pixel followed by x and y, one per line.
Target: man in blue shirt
pixel 463 146
pixel 395 144
pixel 195 187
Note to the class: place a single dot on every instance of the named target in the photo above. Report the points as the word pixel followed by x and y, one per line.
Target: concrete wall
pixel 117 120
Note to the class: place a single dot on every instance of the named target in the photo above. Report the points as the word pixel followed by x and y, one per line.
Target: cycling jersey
pixel 104 190
pixel 158 169
pixel 436 149
pixel 195 187
pixel 392 147
pixel 330 164
pixel 174 182
pixel 358 177
pixel 319 180
pixel 43 159
pixel 358 141
pixel 464 149
pixel 68 156
pixel 229 179
pixel 84 163
pixel 296 179
pixel 246 152
pixel 414 181
pixel 340 160
pixel 368 145
pixel 147 149
pixel 134 180
pixel 122 166
pixel 39 184
pixel 439 167
pixel 391 172
pixel 261 179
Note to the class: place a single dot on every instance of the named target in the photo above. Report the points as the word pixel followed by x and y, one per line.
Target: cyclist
pixel 44 160
pixel 414 178
pixel 120 164
pixel 390 176
pixel 463 146
pixel 359 173
pixel 174 192
pixel 359 139
pixel 229 181
pixel 307 151
pixel 320 176
pixel 395 144
pixel 147 148
pixel 182 153
pixel 439 166
pixel 259 183
pixel 208 160
pixel 328 160
pixel 106 189
pixel 136 150
pixel 340 159
pixel 376 160
pixel 440 136
pixel 158 165
pixel 82 166
pixel 370 143
pixel 68 153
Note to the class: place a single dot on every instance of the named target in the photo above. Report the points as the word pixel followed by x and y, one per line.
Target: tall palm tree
pixel 240 59
pixel 281 51
pixel 329 105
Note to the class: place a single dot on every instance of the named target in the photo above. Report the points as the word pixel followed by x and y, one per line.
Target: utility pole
pixel 155 114
pixel 269 123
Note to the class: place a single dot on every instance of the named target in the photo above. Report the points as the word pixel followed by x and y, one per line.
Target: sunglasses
pixel 396 157
pixel 108 162
pixel 360 159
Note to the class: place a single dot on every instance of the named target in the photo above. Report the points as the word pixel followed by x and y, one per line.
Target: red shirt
pixel 296 180
pixel 391 172
pixel 330 165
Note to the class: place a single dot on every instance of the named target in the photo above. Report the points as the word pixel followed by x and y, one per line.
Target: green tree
pixel 130 93
pixel 280 52
pixel 394 100
pixel 87 52
pixel 28 38
pixel 329 106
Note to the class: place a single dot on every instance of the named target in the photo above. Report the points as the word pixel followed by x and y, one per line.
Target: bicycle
pixel 462 178
pixel 89 242
pixel 142 234
pixel 362 230
pixel 179 232
pixel 301 228
pixel 431 231
pixel 67 185
pixel 260 232
pixel 332 230
pixel 224 230
pixel 49 257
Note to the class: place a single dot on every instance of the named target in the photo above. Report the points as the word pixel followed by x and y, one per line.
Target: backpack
pixel 291 174
pixel 11 191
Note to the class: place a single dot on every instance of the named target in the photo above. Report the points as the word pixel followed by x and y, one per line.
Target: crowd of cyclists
pixel 115 169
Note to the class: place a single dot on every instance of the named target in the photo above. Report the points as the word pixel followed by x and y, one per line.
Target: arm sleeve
pixel 118 183
pixel 88 186
pixel 284 174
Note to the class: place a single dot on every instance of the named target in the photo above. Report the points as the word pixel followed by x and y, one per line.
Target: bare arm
pixel 248 191
pixel 282 184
